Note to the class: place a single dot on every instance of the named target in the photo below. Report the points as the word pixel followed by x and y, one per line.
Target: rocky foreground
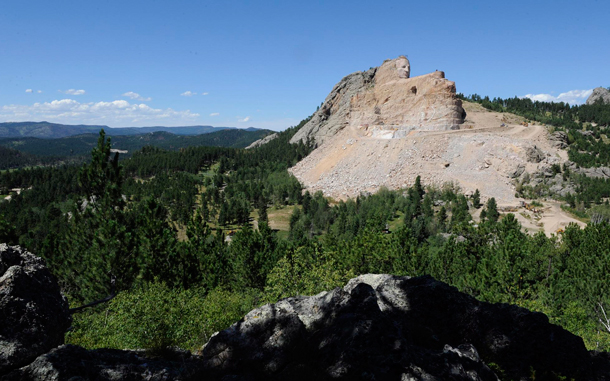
pixel 377 327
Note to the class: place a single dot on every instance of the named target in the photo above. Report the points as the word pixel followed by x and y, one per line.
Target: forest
pixel 186 241
pixel 33 151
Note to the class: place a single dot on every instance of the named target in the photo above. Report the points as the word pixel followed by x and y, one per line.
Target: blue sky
pixel 269 64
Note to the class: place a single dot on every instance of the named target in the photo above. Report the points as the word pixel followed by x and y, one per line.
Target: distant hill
pixel 81 145
pixel 12 158
pixel 46 130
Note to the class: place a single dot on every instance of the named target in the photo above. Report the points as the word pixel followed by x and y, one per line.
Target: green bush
pixel 156 317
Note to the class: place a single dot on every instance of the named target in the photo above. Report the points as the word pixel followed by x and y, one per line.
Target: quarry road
pixel 551 219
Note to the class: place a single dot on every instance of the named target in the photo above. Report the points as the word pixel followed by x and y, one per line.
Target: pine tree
pixel 262 211
pixel 418 187
pixel 492 210
pixel 476 199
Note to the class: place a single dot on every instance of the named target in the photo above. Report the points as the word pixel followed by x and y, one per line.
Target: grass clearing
pixel 397 221
pixel 279 218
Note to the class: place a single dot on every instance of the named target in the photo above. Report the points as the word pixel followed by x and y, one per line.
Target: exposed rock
pixel 559 139
pixel 388 327
pixel 601 94
pixel 70 362
pixel 534 154
pixel 562 189
pixel 518 171
pixel 384 101
pixel 586 132
pixel 598 172
pixel 33 313
pixel 262 141
pixel 376 327
pixel 402 128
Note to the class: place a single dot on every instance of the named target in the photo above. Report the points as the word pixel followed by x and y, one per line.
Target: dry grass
pixel 279 219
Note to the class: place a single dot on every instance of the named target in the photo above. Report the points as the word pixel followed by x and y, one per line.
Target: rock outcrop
pixel 386 327
pixel 559 139
pixel 599 94
pixel 262 141
pixel 70 362
pixel 386 102
pixel 33 314
pixel 534 154
pixel 377 327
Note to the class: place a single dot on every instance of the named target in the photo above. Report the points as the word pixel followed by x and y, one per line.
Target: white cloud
pixel 188 94
pixel 215 114
pixel 39 91
pixel 572 97
pixel 73 92
pixel 204 93
pixel 136 96
pixel 244 119
pixel 114 113
pixel 28 91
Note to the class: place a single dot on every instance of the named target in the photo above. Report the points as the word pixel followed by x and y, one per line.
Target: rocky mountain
pixel 599 93
pixel 377 327
pixel 386 102
pixel 382 128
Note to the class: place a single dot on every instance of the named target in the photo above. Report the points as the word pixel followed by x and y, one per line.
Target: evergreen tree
pixel 492 210
pixel 476 199
pixel 262 211
pixel 418 187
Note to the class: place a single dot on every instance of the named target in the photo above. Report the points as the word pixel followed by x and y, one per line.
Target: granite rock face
pixel 388 327
pixel 559 139
pixel 385 102
pixel 333 115
pixel 33 314
pixel 599 94
pixel 262 141
pixel 70 362
pixel 534 154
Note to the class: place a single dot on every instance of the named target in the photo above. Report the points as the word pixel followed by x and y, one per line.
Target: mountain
pixel 81 145
pixel 383 128
pixel 48 130
pixel 386 102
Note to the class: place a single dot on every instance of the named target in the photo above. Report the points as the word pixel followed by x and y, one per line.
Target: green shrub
pixel 156 317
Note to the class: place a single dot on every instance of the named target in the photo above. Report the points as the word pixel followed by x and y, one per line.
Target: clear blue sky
pixel 269 64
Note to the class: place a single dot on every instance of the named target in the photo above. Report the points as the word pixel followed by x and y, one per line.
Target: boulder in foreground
pixel 33 314
pixel 377 327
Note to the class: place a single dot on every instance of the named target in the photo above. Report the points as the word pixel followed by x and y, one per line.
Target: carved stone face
pixel 403 67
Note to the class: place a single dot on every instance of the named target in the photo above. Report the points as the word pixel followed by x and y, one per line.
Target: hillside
pixel 81 145
pixel 12 158
pixel 390 130
pixel 48 130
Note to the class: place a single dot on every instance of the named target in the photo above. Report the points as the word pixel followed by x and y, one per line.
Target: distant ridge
pixel 48 130
pixel 23 148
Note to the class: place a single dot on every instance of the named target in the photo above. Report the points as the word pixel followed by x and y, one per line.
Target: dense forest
pixel 185 239
pixel 31 151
